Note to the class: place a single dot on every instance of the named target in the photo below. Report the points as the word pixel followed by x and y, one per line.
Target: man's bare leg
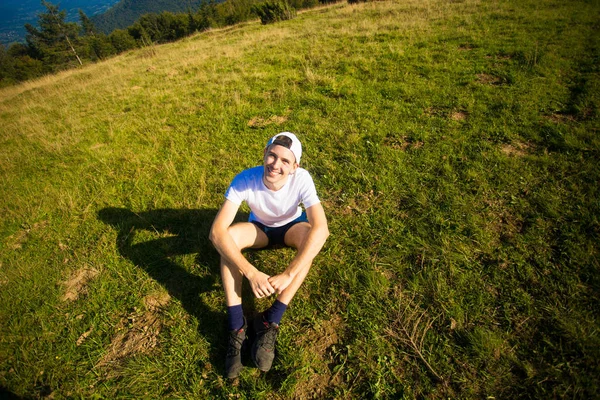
pixel 245 235
pixel 295 238
pixel 266 326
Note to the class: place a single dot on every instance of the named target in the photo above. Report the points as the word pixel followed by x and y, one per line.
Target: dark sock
pixel 235 317
pixel 275 313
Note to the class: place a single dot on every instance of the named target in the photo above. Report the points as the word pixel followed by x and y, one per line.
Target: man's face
pixel 278 162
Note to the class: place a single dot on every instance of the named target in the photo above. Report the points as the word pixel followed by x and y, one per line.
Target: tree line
pixel 55 44
pixel 125 12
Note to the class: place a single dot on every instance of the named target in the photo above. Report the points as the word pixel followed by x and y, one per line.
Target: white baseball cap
pixel 295 147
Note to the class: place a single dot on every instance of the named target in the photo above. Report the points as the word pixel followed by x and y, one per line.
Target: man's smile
pixel 273 171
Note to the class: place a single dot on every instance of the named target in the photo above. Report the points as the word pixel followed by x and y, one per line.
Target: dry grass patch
pixel 359 204
pixel 97 146
pixel 3 280
pixel 84 336
pixel 409 329
pixel 76 286
pixel 259 122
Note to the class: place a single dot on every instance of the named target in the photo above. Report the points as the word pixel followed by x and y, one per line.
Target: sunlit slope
pixel 454 147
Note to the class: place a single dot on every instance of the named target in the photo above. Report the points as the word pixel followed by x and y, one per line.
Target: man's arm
pixel 311 246
pixel 231 252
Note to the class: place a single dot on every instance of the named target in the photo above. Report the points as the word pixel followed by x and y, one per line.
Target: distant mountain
pixel 126 12
pixel 14 14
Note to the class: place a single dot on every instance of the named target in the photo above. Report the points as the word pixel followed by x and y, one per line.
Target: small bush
pixel 273 11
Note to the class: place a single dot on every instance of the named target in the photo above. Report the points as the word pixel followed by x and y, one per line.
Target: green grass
pixel 454 145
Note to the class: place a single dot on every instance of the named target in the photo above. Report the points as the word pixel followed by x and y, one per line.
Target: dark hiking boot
pixel 233 361
pixel 263 348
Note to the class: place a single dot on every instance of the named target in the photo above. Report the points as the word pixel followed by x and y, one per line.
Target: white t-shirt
pixel 273 208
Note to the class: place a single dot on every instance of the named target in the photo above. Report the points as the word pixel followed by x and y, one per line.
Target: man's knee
pixel 295 236
pixel 237 234
pixel 246 235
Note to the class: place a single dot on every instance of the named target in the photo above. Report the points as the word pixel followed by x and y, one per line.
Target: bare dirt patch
pixel 488 79
pixel 156 301
pixel 518 149
pixel 403 143
pixel 444 112
pixel 320 341
pixel 141 337
pixel 77 285
pixel 136 334
pixel 561 118
pixel 501 223
pixel 459 115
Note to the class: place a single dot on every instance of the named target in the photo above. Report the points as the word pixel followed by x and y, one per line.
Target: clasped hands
pixel 264 285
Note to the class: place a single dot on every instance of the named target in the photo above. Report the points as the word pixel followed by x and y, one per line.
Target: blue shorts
pixel 276 235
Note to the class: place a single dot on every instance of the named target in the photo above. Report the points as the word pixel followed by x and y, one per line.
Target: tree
pixel 194 24
pixel 87 26
pixel 53 41
pixel 300 4
pixel 273 11
pixel 139 33
pixel 99 47
pixel 16 65
pixel 121 40
pixel 6 67
pixel 207 15
pixel 160 28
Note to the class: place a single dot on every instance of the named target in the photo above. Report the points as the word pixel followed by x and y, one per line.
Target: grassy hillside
pixel 455 148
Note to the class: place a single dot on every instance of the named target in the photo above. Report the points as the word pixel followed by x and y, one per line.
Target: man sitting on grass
pixel 274 192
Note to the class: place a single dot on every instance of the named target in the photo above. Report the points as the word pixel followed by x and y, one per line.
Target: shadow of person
pixel 185 232
pixel 6 394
